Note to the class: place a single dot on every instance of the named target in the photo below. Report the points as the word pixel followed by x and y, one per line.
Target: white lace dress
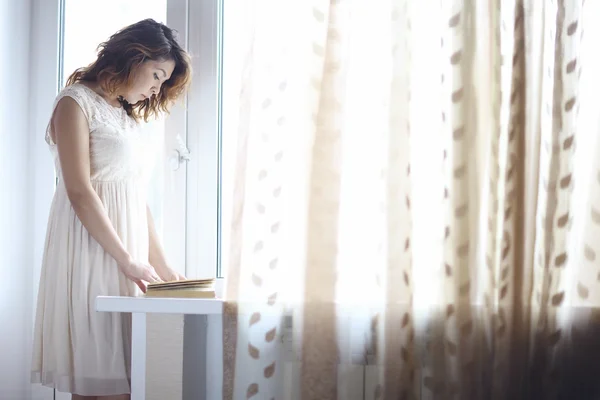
pixel 77 349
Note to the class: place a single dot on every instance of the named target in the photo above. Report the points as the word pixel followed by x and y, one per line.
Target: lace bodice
pixel 119 146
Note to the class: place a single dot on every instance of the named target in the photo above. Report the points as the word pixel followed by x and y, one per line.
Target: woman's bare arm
pixel 157 255
pixel 71 134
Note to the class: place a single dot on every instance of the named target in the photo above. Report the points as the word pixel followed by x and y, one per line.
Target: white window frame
pixel 174 200
pixel 203 181
pixel 192 215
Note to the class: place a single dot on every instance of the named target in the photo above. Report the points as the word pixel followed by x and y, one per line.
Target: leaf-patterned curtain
pixel 416 206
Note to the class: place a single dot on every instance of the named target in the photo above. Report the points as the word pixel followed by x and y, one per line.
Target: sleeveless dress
pixel 75 348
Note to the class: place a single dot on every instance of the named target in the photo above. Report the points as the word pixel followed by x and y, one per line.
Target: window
pixel 233 34
pixel 186 192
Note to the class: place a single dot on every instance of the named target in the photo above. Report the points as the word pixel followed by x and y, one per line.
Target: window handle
pixel 180 155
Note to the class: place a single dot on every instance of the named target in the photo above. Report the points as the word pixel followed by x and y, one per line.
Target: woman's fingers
pixel 150 277
pixel 140 284
pixel 153 276
pixel 142 274
pixel 147 276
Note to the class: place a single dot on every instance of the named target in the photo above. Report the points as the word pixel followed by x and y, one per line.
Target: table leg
pixel 138 356
pixel 194 357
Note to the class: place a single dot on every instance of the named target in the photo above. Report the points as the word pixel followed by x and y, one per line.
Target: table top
pixel 159 305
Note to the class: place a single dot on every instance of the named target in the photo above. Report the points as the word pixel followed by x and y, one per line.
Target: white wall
pixel 43 87
pixel 28 70
pixel 15 186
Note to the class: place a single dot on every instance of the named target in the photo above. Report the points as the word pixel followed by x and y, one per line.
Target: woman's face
pixel 148 80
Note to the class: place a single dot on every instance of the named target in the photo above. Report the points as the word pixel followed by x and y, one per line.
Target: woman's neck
pixel 111 99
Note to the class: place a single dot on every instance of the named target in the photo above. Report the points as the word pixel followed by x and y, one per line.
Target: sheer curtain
pixel 416 189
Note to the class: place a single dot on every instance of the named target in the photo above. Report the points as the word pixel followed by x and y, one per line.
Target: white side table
pixel 139 307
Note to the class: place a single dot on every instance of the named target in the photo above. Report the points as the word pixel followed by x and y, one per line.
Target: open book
pixel 192 288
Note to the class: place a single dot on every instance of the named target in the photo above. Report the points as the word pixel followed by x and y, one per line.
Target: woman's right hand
pixel 140 273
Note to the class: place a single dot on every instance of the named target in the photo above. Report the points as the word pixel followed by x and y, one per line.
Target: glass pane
pixel 89 23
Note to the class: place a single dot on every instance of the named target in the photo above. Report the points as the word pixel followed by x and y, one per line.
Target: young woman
pixel 100 235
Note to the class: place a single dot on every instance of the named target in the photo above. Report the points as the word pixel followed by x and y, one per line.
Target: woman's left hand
pixel 167 274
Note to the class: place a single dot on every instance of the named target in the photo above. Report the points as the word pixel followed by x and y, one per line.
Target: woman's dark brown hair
pixel 120 56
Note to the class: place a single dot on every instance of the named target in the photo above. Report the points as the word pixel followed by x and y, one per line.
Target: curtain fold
pixel 415 201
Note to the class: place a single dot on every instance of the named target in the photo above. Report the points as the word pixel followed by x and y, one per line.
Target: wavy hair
pixel 121 55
